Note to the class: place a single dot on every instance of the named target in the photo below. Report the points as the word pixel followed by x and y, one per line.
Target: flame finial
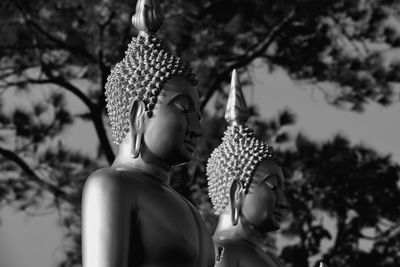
pixel 236 108
pixel 148 17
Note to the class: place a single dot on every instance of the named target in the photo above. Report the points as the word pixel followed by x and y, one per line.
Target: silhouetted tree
pixel 346 49
pixel 353 185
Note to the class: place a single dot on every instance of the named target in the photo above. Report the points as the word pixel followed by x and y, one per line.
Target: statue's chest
pixel 169 229
pixel 261 259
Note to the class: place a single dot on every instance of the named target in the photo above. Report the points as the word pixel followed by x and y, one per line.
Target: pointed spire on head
pixel 236 108
pixel 239 154
pixel 148 17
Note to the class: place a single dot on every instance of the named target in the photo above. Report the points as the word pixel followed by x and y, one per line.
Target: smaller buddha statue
pixel 246 189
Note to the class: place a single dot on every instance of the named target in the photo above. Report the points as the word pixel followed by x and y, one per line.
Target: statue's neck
pixel 243 230
pixel 251 233
pixel 145 162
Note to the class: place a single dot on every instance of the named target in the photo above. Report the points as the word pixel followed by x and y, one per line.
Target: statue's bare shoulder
pixel 108 200
pixel 109 183
pixel 112 181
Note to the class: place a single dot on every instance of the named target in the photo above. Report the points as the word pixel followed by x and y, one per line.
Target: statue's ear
pixel 236 195
pixel 137 114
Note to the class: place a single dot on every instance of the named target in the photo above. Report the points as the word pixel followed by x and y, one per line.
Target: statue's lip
pixel 278 214
pixel 190 145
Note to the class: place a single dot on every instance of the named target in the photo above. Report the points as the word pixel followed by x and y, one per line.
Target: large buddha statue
pixel 131 215
pixel 246 189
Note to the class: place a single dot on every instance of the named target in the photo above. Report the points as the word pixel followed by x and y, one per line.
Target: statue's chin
pixel 177 159
pixel 274 225
pixel 186 155
pixel 182 162
pixel 274 228
pixel 269 226
pixel 169 157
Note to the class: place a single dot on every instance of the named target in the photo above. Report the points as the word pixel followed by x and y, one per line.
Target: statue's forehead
pixel 268 167
pixel 180 86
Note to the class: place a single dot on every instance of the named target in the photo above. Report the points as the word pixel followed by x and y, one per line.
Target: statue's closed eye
pixel 182 103
pixel 181 107
pixel 270 185
pixel 271 181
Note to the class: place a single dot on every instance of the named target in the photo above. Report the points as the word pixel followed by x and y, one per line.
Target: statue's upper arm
pixel 106 211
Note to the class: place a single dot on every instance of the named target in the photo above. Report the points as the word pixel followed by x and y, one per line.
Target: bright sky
pixel 377 127
pixel 34 241
pixel 27 241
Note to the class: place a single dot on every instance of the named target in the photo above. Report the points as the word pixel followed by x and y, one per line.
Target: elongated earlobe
pixel 136 142
pixel 136 119
pixel 236 195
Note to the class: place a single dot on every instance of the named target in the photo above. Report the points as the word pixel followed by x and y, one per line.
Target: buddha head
pixel 151 95
pixel 244 178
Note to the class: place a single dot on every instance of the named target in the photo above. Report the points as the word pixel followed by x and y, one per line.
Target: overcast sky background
pixel 27 241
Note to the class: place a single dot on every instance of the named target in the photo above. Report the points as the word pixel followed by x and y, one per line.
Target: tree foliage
pixel 346 49
pixel 357 188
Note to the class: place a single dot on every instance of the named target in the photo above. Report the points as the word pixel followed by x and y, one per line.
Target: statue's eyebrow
pixel 270 184
pixel 184 96
pixel 269 176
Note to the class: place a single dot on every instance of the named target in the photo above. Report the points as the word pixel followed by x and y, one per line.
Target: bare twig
pixel 29 21
pixel 57 81
pixel 25 47
pixel 12 67
pixel 75 90
pixel 35 178
pixel 6 74
pixel 245 60
pixel 95 111
pixel 104 69
pixel 350 39
pixel 393 230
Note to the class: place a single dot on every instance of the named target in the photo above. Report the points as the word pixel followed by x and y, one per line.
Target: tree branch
pixel 25 47
pixel 350 39
pixel 57 81
pixel 78 50
pixel 393 230
pixel 95 111
pixel 6 74
pixel 340 235
pixel 75 90
pixel 246 59
pixel 104 72
pixel 97 118
pixel 104 69
pixel 35 178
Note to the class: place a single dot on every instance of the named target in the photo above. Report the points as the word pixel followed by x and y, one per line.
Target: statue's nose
pixel 282 200
pixel 194 126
